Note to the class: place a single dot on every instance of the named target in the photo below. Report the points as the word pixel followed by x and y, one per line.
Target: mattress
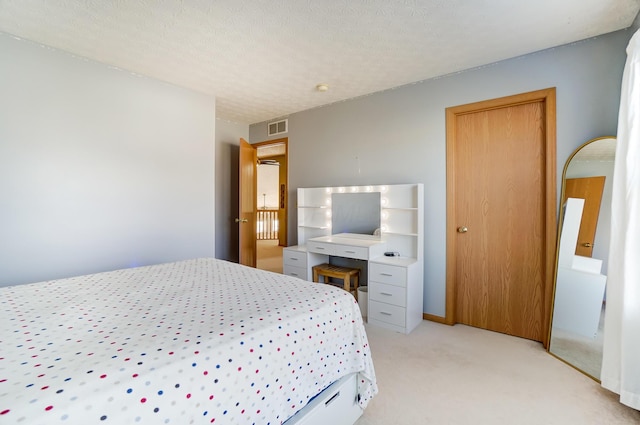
pixel 201 341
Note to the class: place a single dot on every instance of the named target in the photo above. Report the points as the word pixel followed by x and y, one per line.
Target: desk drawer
pixel 300 272
pixel 357 252
pixel 387 313
pixel 385 273
pixel 294 258
pixel 320 247
pixel 390 294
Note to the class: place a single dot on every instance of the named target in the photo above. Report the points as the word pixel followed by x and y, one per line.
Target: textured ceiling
pixel 599 150
pixel 263 58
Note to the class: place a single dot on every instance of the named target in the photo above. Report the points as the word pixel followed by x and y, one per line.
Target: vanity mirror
pixel 582 253
pixel 355 212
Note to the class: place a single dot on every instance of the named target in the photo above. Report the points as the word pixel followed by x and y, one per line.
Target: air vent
pixel 278 127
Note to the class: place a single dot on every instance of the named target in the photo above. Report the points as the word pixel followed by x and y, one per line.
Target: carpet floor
pixel 269 256
pixel 454 375
pixel 582 352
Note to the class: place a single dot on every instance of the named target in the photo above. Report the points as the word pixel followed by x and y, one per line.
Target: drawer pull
pixel 333 397
pixel 319 248
pixel 386 293
pixel 386 274
pixel 293 258
pixel 294 274
pixel 385 313
pixel 350 252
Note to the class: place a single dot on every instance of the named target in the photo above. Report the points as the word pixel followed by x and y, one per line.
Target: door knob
pixel 462 229
pixel 587 245
pixel 241 220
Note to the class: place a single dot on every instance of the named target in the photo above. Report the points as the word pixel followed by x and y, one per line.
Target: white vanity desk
pixel 395 284
pixel 348 245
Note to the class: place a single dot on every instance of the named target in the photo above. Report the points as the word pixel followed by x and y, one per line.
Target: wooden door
pixel 590 189
pixel 247 208
pixel 501 200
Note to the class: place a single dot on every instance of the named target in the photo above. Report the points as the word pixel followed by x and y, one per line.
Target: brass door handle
pixel 462 229
pixel 587 245
pixel 242 220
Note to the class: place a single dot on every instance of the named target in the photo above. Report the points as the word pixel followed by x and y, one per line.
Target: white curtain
pixel 621 359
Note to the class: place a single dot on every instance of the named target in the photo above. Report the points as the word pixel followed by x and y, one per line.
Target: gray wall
pixel 99 169
pixel 635 25
pixel 228 136
pixel 398 136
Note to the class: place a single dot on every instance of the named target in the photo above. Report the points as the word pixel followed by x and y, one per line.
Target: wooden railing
pixel 267 224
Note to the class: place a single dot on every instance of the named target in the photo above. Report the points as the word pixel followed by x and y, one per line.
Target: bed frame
pixel 336 405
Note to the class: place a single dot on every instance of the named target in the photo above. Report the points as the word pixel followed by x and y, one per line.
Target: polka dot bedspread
pixel 201 341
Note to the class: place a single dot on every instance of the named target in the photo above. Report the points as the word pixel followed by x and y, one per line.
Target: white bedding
pixel 198 341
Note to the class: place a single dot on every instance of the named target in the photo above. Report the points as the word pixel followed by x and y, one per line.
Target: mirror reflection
pixel 583 251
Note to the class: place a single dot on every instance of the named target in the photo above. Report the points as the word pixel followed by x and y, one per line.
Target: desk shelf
pixel 412 235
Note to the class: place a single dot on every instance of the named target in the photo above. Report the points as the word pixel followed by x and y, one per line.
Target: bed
pixel 199 341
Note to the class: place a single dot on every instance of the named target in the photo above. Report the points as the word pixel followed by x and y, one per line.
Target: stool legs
pixel 355 286
pixel 346 283
pixel 350 277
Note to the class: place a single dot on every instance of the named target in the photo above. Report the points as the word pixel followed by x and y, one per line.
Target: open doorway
pixel 271 204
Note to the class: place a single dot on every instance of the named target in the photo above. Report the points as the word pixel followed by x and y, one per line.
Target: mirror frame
pixel 559 232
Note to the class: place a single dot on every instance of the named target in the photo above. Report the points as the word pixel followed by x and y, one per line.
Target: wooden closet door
pixel 499 223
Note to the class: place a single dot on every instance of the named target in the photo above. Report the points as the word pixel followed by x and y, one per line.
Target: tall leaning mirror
pixel 577 320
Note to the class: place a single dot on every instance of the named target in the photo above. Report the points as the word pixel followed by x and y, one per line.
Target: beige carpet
pixel 580 351
pixel 453 375
pixel 269 256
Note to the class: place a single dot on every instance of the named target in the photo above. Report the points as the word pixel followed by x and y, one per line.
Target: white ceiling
pixel 598 150
pixel 262 59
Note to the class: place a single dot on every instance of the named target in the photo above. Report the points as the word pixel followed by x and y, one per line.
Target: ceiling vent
pixel 278 127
